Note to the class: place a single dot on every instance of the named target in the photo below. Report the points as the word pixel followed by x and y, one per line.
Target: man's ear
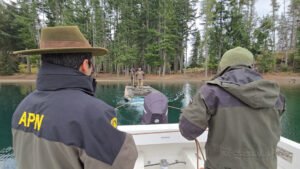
pixel 84 67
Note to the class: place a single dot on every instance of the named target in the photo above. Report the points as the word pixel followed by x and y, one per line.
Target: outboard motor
pixel 155 108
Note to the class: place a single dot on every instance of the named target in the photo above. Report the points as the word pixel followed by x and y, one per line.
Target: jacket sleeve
pixel 281 104
pixel 105 146
pixel 194 118
pixel 127 155
pixel 125 159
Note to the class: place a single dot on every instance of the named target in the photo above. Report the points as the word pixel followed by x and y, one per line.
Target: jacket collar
pixel 238 75
pixel 53 77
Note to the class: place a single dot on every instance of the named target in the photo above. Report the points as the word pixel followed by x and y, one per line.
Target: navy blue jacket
pixel 62 125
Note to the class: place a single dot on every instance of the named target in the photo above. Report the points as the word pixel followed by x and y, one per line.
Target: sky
pixel 263 7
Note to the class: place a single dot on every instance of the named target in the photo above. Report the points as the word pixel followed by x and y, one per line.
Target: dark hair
pixel 72 60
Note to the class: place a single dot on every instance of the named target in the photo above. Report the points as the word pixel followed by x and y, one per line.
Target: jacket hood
pixel 249 87
pixel 53 77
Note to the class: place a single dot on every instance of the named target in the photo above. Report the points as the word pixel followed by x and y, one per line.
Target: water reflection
pixel 10 97
pixel 187 94
pixel 290 119
pixel 130 112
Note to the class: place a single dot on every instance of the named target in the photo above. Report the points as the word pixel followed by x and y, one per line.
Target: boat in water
pixel 161 146
pixel 155 103
pixel 132 91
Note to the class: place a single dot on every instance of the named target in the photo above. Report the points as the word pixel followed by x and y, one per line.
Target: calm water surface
pixel 179 95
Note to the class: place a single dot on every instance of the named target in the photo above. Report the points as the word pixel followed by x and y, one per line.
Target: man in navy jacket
pixel 61 124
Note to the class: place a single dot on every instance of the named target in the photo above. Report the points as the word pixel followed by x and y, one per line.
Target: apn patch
pixel 28 119
pixel 114 122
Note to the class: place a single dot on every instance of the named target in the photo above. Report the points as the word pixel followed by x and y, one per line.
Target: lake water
pixel 179 95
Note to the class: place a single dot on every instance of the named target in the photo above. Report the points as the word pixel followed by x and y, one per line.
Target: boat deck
pixel 163 143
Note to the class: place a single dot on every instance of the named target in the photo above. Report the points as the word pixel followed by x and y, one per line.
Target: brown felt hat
pixel 63 39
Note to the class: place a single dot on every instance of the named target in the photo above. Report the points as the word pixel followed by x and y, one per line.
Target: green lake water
pixel 179 95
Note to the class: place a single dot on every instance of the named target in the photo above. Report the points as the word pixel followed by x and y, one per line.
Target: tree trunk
pixel 181 62
pixel 28 64
pixel 206 61
pixel 175 62
pixel 165 63
pixel 149 69
pixel 293 34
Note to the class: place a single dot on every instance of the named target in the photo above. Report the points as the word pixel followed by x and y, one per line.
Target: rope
pixel 199 148
pixel 125 104
pixel 138 103
pixel 122 105
pixel 175 107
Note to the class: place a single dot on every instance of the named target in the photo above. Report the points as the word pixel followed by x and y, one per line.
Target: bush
pixel 195 69
pixel 265 61
pixel 23 68
pixel 8 64
pixel 284 68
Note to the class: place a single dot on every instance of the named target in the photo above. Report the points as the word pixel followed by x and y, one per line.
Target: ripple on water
pixel 7 159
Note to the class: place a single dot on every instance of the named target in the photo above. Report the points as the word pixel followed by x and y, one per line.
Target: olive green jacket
pixel 242 112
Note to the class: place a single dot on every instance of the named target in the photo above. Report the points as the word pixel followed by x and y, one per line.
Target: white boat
pixel 161 146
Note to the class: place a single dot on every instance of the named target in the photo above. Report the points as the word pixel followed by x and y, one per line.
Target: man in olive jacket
pixel 62 125
pixel 242 112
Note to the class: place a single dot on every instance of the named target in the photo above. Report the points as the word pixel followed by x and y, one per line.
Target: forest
pixel 155 34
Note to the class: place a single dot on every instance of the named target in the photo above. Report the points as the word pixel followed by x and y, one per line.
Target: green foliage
pixel 265 61
pixel 146 33
pixel 194 70
pixel 7 64
pixel 195 50
pixel 213 63
pixel 297 51
pixel 23 68
pixel 152 57
pixel 26 19
pixel 284 68
pixel 298 42
pixel 227 29
pixel 9 29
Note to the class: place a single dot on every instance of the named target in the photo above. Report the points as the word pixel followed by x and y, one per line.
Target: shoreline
pixel 281 78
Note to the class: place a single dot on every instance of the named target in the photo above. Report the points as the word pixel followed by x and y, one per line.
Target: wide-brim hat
pixel 63 39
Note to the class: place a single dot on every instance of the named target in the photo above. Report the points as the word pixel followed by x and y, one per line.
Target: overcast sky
pixel 263 7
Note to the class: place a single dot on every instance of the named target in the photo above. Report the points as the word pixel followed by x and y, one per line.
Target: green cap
pixel 236 56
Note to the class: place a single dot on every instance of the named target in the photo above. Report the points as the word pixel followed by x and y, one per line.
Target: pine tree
pixel 195 50
pixel 9 41
pixel 262 46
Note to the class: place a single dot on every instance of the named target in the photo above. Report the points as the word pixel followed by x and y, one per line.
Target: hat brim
pixel 94 51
